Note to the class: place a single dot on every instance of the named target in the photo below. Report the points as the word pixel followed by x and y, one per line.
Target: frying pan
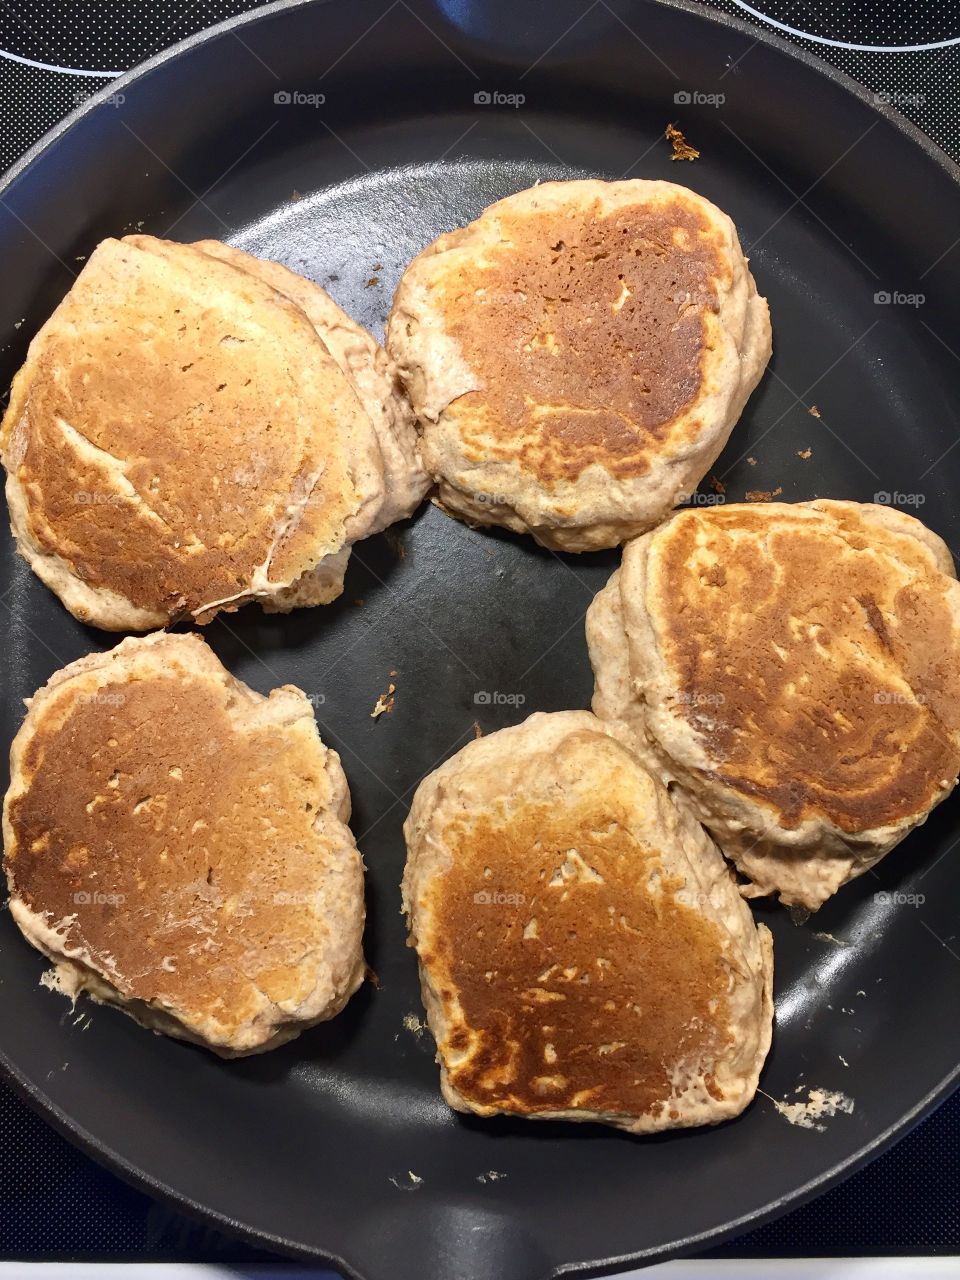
pixel 340 138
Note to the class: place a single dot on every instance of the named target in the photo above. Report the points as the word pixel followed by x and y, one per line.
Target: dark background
pixel 54 1202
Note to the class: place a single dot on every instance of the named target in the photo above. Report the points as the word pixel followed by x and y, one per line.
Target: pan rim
pixel 692 7
pixel 116 1163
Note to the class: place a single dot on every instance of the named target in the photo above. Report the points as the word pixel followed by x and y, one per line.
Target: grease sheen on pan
pixel 176 844
pixel 578 356
pixel 584 953
pixel 796 670
pixel 181 440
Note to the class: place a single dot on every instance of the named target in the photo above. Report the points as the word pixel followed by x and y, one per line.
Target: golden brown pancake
pixel 584 953
pixel 177 845
pixel 578 356
pixel 796 669
pixel 180 440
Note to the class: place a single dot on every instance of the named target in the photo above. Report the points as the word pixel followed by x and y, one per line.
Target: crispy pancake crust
pixel 578 356
pixel 796 668
pixel 583 951
pixel 180 440
pixel 177 844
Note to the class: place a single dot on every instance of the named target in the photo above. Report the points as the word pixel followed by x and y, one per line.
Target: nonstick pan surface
pixel 338 1146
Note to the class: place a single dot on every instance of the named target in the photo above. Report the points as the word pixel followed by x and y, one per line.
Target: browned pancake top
pixel 185 850
pixel 191 398
pixel 586 329
pixel 816 659
pixel 582 982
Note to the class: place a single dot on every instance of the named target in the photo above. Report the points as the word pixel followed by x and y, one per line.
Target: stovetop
pixel 56 1203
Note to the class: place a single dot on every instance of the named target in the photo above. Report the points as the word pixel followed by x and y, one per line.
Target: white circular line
pixel 844 44
pixel 49 66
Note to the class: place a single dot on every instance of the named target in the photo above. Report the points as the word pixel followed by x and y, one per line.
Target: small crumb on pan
pixel 681 148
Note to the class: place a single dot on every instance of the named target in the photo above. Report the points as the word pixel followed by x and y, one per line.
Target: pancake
pixel 180 441
pixel 584 953
pixel 795 670
pixel 369 371
pixel 177 845
pixel 578 356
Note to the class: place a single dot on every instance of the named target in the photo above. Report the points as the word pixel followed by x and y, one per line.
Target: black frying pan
pixel 310 1148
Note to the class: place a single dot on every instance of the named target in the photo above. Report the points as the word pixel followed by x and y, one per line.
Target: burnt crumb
pixel 680 147
pixel 384 703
